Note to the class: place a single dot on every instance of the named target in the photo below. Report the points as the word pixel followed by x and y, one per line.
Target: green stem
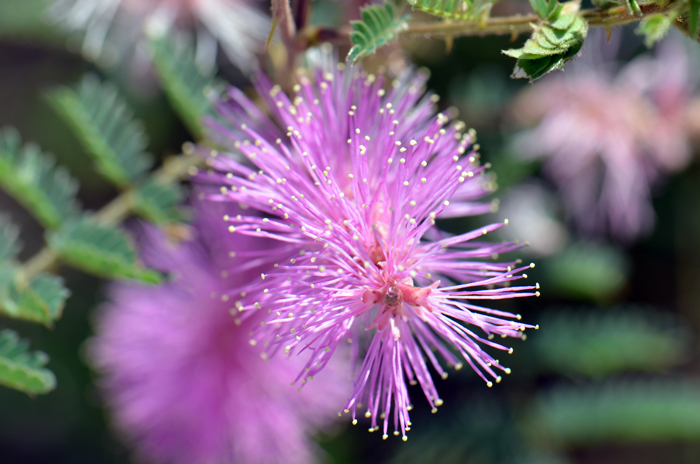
pixel 113 213
pixel 519 24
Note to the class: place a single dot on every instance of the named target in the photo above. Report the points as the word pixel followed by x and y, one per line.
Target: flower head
pixel 354 189
pixel 181 376
pixel 609 136
pixel 113 27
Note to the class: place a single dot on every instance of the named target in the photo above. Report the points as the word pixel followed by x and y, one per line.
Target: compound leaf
pixel 556 39
pixel 106 126
pixel 22 370
pixel 35 181
pixel 99 249
pixel 158 202
pixel 377 28
pixel 187 88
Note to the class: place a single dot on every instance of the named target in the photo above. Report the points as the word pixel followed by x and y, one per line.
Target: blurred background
pixel 613 374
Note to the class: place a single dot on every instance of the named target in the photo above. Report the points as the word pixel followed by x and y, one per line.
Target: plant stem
pixel 519 24
pixel 115 211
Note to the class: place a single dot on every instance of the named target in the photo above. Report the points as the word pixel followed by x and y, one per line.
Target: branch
pixel 114 212
pixel 519 24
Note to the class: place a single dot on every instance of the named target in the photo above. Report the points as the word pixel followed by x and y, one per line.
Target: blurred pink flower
pixel 182 379
pixel 609 137
pixel 112 28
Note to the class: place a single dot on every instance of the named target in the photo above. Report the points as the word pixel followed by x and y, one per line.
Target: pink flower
pixel 355 188
pixel 183 381
pixel 609 137
pixel 112 28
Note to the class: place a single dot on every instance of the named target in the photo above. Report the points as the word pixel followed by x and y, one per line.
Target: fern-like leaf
pixel 9 240
pixel 99 249
pixel 42 300
pixel 33 179
pixel 600 342
pixel 22 370
pixel 106 126
pixel 617 411
pixel 188 90
pixel 159 202
pixel 377 28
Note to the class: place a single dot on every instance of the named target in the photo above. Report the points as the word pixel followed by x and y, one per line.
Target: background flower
pixel 112 28
pixel 181 377
pixel 609 133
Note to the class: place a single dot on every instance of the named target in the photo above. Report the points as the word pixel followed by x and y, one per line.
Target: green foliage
pixel 597 342
pixel 462 10
pixel 588 271
pixel 106 126
pixel 22 370
pixel 556 40
pixel 377 28
pixel 693 17
pixel 483 432
pixel 42 300
pixel 184 84
pixel 616 411
pixel 99 249
pixel 633 7
pixel 159 202
pixel 655 26
pixel 546 9
pixel 9 240
pixel 33 179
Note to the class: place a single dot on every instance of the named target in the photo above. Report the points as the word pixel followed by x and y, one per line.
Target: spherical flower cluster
pixel 113 27
pixel 181 378
pixel 353 188
pixel 609 137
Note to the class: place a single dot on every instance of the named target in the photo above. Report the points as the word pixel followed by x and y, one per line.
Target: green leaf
pixel 588 271
pixel 639 411
pixel 599 342
pixel 462 10
pixel 546 9
pixel 654 27
pixel 568 36
pixel 534 68
pixel 184 84
pixel 159 202
pixel 693 17
pixel 41 301
pixel 563 22
pixel 22 370
pixel 552 43
pixel 9 240
pixel 33 179
pixel 106 126
pixel 99 249
pixel 377 28
pixel 633 7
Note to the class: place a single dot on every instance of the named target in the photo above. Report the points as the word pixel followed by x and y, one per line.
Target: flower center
pixel 392 296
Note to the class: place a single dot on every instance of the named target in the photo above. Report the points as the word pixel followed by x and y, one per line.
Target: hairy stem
pixel 519 24
pixel 113 212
